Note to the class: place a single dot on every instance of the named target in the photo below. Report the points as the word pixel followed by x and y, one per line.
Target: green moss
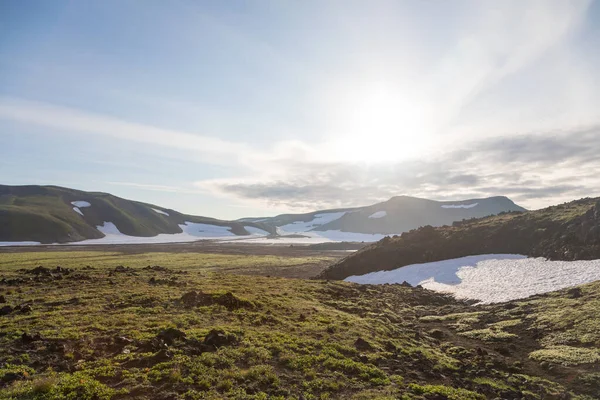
pixel 566 355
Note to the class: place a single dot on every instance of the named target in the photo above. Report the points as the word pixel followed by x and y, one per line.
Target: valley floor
pixel 145 323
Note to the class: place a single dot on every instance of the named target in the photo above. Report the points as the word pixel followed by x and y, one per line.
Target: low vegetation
pixel 112 326
pixel 569 231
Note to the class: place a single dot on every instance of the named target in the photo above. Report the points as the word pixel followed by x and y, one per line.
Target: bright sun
pixel 381 125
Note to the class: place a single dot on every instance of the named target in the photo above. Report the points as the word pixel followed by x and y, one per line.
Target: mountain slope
pixel 565 232
pixel 397 215
pixel 49 214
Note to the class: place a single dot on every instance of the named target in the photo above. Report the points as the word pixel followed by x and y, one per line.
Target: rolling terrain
pixel 97 326
pixel 570 231
pixel 51 214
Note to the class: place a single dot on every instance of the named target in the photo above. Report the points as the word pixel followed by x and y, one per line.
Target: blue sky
pixel 232 109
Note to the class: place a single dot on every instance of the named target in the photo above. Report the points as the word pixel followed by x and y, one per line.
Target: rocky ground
pixel 132 331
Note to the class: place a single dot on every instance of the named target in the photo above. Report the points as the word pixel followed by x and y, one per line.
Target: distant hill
pixel 397 215
pixel 569 231
pixel 52 214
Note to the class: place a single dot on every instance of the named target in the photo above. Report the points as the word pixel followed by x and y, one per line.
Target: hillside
pixel 569 231
pixel 52 214
pixel 113 331
pixel 397 215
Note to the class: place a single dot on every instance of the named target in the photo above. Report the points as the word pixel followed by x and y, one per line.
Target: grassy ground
pixel 114 328
pixel 248 264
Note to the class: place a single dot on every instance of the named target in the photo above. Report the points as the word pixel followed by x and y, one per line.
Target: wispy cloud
pixel 86 123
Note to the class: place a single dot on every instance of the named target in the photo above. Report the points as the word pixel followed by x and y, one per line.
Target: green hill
pixel 570 231
pixel 45 214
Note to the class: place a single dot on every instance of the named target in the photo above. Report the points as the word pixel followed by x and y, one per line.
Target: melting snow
pixel 315 237
pixel 490 278
pixel 81 203
pixel 318 220
pixel 19 243
pixel 77 210
pixel 460 205
pixel 256 231
pixel 378 214
pixel 191 232
pixel 161 212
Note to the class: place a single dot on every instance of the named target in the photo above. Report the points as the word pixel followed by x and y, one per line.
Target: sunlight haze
pixel 233 109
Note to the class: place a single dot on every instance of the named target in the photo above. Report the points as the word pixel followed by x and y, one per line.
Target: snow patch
pixel 256 231
pixel 490 278
pixel 161 212
pixel 19 243
pixel 314 237
pixel 81 203
pixel 318 220
pixel 191 232
pixel 460 205
pixel 78 211
pixel 378 214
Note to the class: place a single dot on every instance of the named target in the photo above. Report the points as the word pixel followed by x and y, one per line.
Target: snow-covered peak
pixel 460 205
pixel 160 212
pixel 378 214
pixel 80 203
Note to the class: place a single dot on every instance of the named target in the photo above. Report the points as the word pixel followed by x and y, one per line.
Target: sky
pixel 255 108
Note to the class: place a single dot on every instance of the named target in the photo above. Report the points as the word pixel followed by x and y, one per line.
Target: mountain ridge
pixel 567 232
pixel 49 214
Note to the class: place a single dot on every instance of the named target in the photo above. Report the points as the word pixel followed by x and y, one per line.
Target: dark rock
pixel 27 338
pixel 6 310
pixel 437 334
pixel 2 299
pixel 389 346
pixel 362 344
pixel 405 284
pixel 25 309
pixel 11 377
pixel 217 338
pixel 170 335
pixel 574 293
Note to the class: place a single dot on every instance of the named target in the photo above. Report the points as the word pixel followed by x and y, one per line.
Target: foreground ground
pixel 174 326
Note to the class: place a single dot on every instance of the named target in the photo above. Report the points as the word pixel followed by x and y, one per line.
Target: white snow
pixel 318 220
pixel 315 237
pixel 378 214
pixel 256 231
pixel 77 210
pixel 460 205
pixel 490 278
pixel 81 203
pixel 191 232
pixel 19 243
pixel 161 212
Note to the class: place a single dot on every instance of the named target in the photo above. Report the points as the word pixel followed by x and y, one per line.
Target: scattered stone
pixel 362 344
pixel 27 338
pixel 6 310
pixel 436 334
pixel 11 377
pixel 228 300
pixel 2 299
pixel 25 309
pixel 170 335
pixel 217 338
pixel 574 293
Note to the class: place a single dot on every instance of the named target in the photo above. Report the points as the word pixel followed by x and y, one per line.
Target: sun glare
pixel 381 125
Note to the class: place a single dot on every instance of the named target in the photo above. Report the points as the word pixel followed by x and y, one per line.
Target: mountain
pixel 397 215
pixel 569 231
pixel 52 214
